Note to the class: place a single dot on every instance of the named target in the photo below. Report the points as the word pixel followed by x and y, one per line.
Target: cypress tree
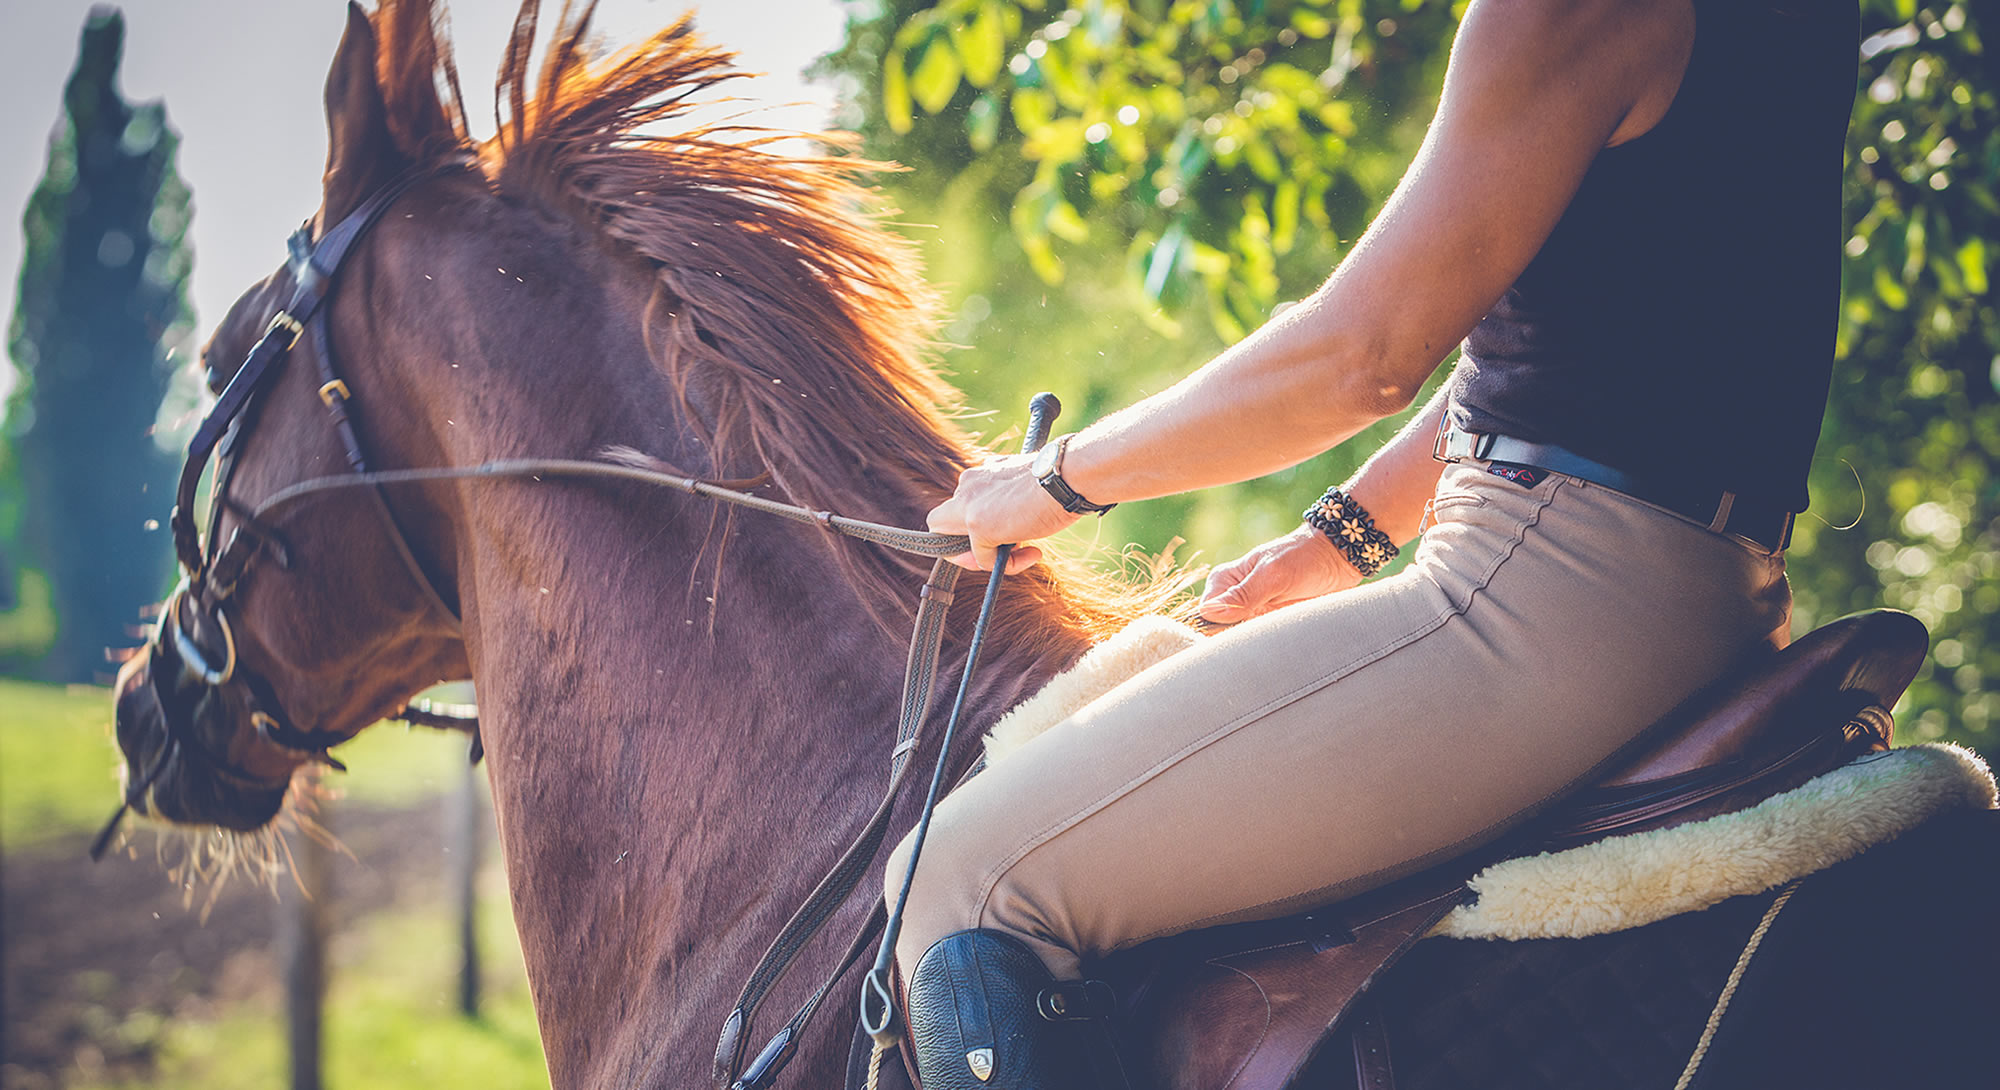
pixel 102 305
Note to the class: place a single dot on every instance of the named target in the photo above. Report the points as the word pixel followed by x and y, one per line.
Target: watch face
pixel 1046 459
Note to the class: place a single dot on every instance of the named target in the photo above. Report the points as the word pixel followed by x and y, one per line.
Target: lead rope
pixel 875 1064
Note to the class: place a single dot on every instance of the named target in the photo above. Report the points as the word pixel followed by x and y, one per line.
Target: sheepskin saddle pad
pixel 1619 882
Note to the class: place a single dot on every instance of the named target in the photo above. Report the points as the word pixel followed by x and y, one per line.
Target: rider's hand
pixel 1000 501
pixel 1301 565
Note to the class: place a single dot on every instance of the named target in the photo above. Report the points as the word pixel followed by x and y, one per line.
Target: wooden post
pixel 302 925
pixel 468 814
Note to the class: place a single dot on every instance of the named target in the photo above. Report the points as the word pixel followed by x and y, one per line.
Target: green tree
pixel 1208 158
pixel 1210 135
pixel 102 305
pixel 1913 429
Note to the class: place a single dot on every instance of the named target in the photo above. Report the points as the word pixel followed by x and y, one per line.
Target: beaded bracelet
pixel 1352 530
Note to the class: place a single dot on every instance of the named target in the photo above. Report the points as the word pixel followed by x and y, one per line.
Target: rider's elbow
pixel 1377 390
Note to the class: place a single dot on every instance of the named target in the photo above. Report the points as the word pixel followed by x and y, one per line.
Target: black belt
pixel 1767 525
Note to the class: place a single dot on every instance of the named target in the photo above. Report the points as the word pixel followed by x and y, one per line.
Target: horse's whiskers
pixel 204 857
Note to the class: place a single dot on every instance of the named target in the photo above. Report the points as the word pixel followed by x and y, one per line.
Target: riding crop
pixel 878 995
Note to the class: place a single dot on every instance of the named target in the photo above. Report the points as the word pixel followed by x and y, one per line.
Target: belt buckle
pixel 1455 444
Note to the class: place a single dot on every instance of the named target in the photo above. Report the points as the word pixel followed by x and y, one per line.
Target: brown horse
pixel 686 713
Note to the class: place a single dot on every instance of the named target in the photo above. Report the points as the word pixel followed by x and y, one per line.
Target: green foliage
pixel 102 306
pixel 1210 157
pixel 1913 429
pixel 28 625
pixel 1209 132
pixel 1095 287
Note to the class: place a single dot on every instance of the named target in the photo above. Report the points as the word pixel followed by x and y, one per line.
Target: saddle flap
pixel 1245 1006
pixel 1784 719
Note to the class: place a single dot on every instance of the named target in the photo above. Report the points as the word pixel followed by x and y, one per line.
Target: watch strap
pixel 1052 482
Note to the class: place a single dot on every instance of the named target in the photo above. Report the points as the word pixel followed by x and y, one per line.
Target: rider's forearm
pixel 1301 384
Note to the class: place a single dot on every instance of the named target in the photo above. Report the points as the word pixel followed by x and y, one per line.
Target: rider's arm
pixel 1394 485
pixel 1534 90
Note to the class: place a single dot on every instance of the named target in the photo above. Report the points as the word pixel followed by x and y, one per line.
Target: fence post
pixel 468 814
pixel 302 924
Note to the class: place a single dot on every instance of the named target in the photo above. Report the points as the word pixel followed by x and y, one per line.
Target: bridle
pixel 212 572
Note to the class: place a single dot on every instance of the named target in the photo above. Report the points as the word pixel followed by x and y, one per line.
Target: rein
pixel 626 464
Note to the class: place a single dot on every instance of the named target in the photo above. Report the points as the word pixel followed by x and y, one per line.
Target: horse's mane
pixel 780 306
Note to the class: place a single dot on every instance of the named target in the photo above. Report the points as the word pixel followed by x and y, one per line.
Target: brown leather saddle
pixel 1245 1007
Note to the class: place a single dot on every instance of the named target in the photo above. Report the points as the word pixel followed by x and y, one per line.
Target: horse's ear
pixel 361 153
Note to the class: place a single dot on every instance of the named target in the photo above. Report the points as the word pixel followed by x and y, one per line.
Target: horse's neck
pixel 678 746
pixel 671 781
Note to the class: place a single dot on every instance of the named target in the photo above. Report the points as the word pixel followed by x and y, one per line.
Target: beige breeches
pixel 1337 744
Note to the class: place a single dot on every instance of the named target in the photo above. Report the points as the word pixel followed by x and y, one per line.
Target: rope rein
pixel 1729 988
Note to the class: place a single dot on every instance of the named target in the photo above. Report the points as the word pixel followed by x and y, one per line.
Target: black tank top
pixel 1679 322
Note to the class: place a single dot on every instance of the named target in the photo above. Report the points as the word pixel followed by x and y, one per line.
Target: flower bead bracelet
pixel 1352 530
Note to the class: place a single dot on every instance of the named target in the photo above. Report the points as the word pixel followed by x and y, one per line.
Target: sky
pixel 242 82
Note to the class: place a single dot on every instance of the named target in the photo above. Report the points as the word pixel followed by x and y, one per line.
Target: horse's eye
pixel 214 378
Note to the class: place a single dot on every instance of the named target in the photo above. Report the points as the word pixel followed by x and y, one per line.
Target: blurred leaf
pixel 896 93
pixel 1972 266
pixel 1166 255
pixel 982 122
pixel 1065 224
pixel 1032 110
pixel 1285 215
pixel 936 76
pixel 1889 290
pixel 981 45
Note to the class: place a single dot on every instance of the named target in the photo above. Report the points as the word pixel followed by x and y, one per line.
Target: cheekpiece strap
pixel 313 266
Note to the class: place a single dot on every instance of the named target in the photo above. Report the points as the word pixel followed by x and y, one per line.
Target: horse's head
pixel 298 623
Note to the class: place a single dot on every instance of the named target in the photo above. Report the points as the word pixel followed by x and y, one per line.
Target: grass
pixel 57 761
pixel 389 1020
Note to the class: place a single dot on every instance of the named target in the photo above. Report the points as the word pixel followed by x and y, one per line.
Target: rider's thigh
pixel 1335 745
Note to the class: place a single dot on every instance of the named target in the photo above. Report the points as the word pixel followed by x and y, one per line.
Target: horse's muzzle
pixel 193 786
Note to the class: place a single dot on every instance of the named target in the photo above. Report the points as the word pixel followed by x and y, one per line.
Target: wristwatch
pixel 1048 470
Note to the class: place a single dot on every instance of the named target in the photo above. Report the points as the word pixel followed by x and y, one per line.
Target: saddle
pixel 1247 1006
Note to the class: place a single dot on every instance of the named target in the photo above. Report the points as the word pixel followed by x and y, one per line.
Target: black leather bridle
pixel 211 570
